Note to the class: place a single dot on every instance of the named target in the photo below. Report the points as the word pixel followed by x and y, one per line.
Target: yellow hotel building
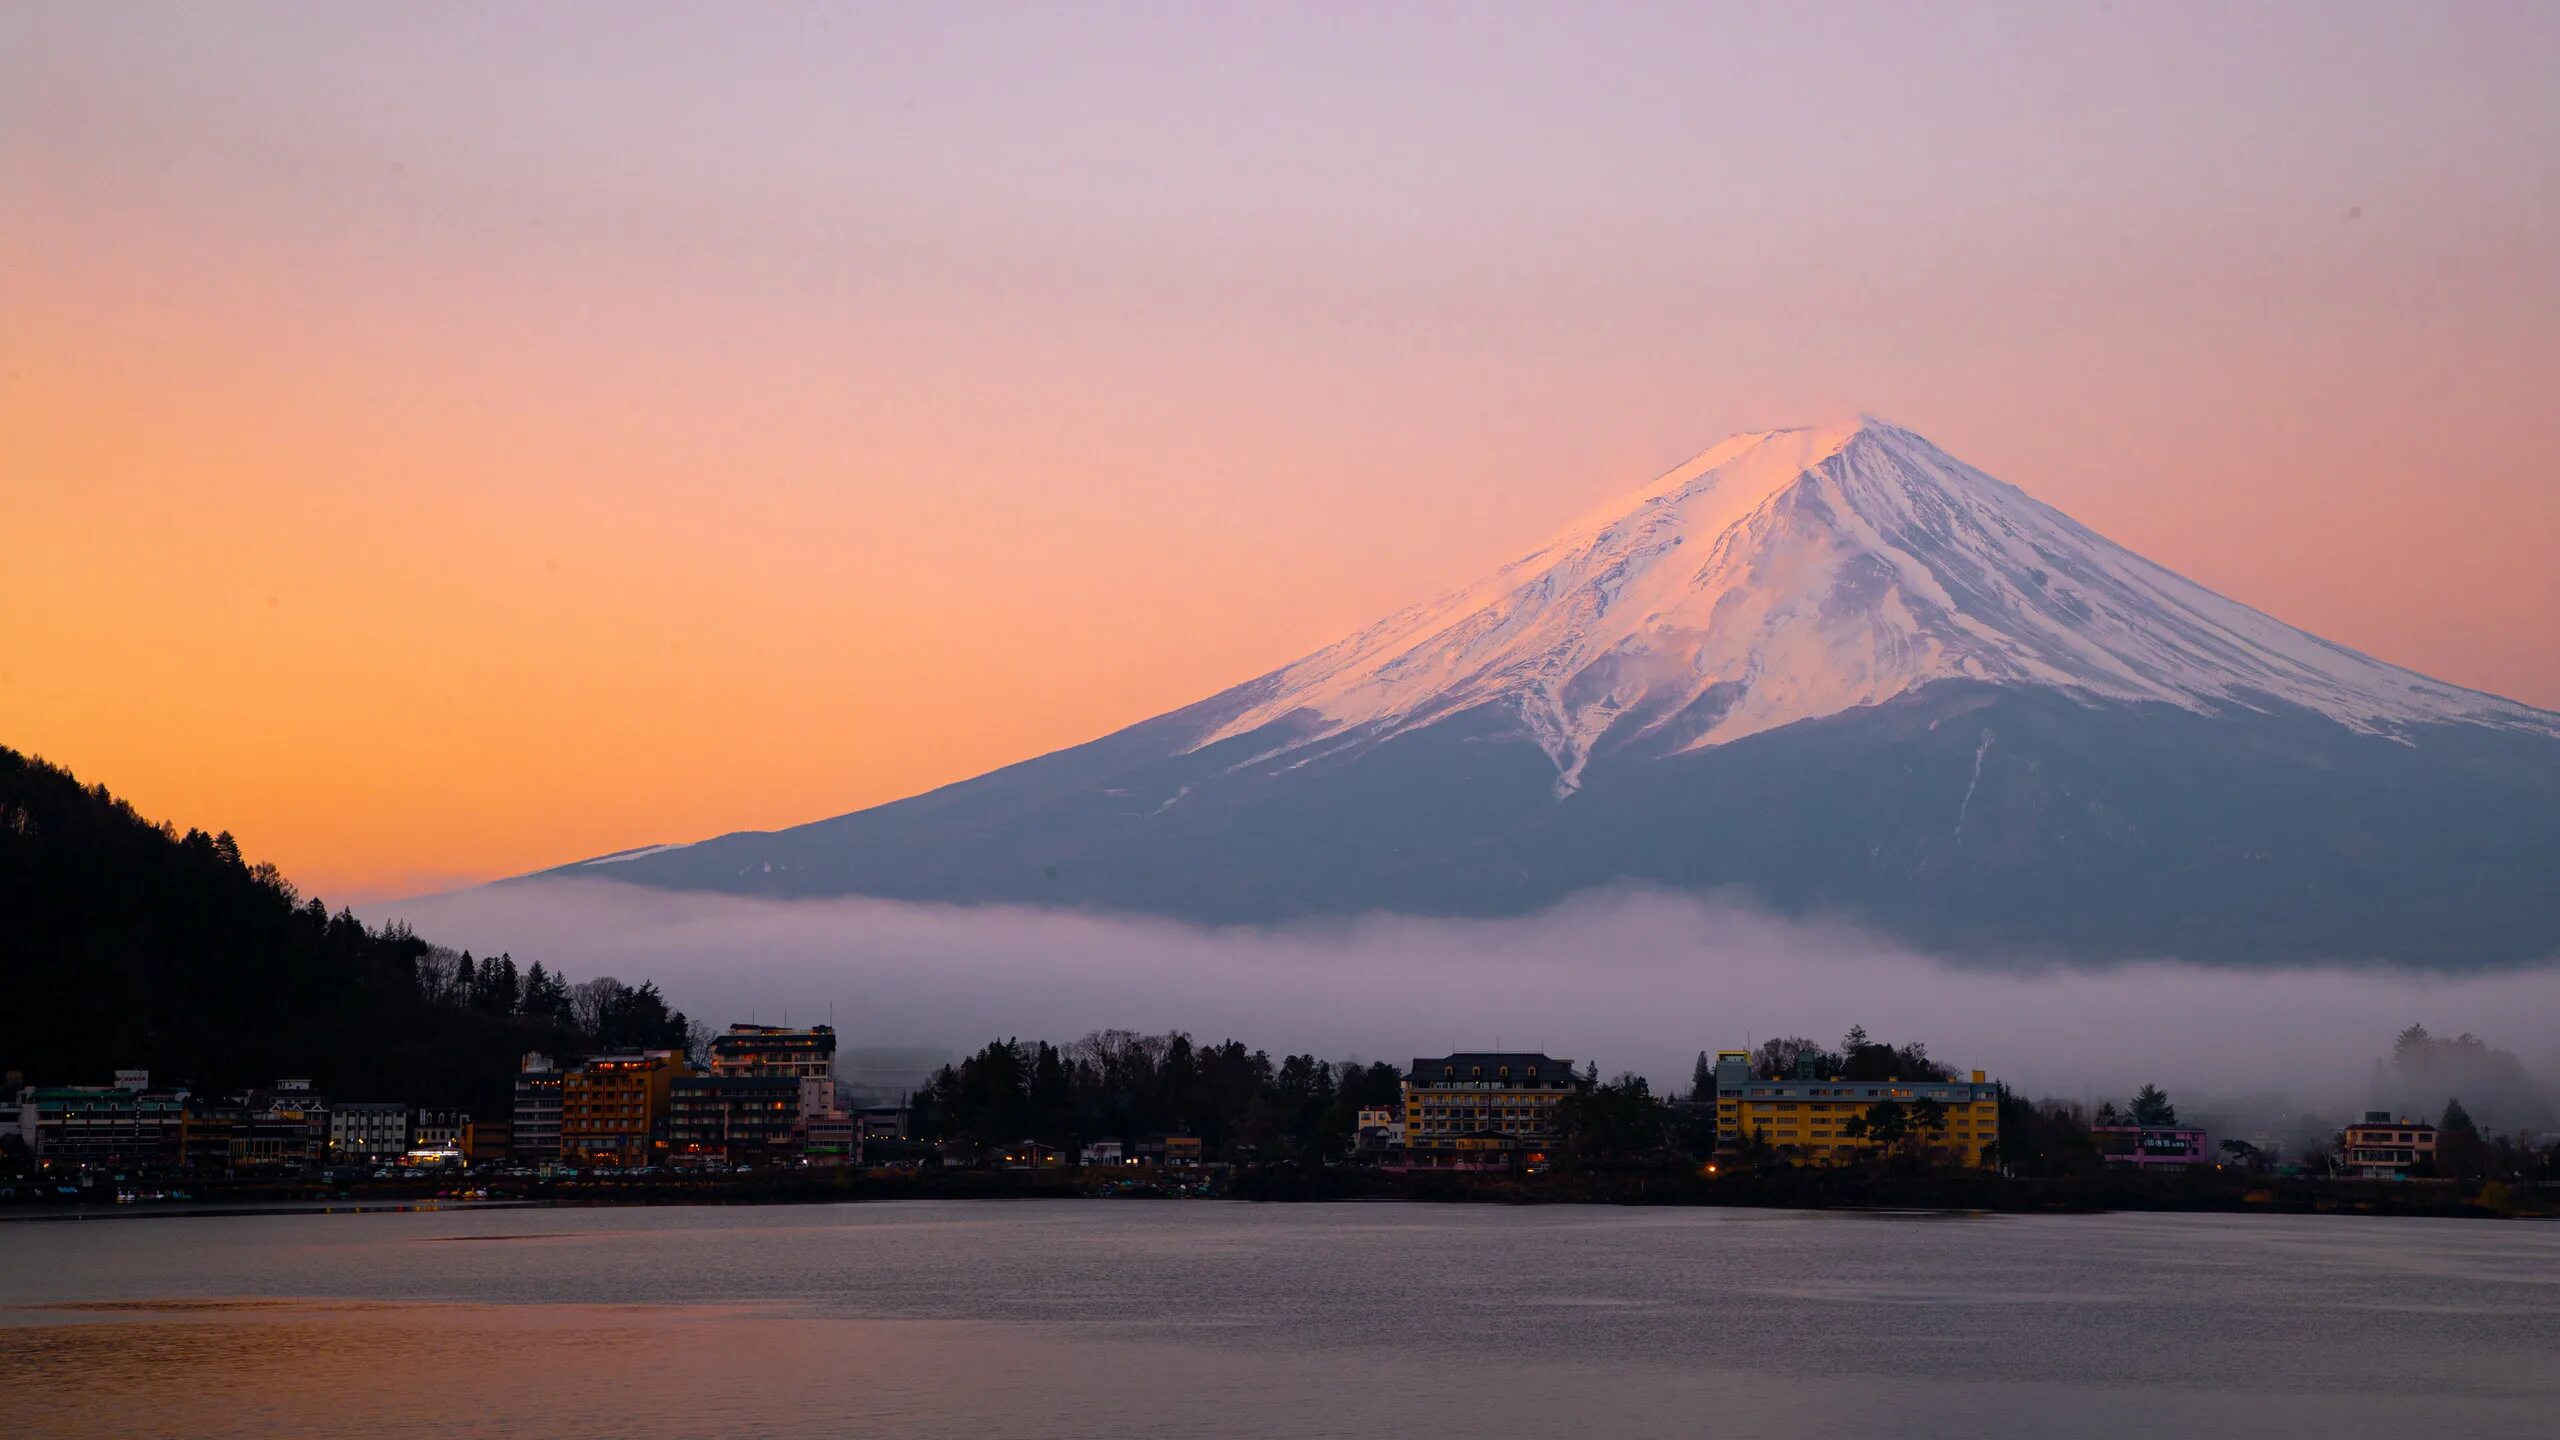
pixel 1802 1116
pixel 1483 1107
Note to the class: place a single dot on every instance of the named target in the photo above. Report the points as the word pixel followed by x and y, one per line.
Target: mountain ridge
pixel 1842 566
pixel 1838 671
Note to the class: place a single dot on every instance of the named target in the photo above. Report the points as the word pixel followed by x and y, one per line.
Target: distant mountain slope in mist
pixel 1837 670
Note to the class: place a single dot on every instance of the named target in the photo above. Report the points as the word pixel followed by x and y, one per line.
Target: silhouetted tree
pixel 2151 1107
pixel 1614 1123
pixel 2461 1153
pixel 2046 1138
pixel 1776 1059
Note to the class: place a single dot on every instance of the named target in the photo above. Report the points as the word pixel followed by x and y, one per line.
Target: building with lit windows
pixel 1806 1117
pixel 363 1130
pixel 808 1056
pixel 439 1130
pixel 1483 1108
pixel 731 1117
pixel 281 1130
pixel 2379 1147
pixel 775 1050
pixel 613 1109
pixel 212 1135
pixel 124 1124
pixel 832 1137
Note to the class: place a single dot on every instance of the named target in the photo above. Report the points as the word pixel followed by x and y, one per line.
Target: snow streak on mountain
pixel 1792 574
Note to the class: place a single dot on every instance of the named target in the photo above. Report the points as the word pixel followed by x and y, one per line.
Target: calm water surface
pixel 1120 1318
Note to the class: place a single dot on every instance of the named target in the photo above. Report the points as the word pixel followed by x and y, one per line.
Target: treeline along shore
pixel 2210 1192
pixel 263 1049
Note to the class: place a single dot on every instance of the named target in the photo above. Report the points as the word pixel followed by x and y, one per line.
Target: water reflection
pixel 1118 1319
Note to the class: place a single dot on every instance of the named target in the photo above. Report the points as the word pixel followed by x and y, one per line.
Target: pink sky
pixel 440 443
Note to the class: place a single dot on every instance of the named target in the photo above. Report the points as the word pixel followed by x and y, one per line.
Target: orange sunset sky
pixel 444 442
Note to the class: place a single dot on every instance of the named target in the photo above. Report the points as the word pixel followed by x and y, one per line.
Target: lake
pixel 1203 1318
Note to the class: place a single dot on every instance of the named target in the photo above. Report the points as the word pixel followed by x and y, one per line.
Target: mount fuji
pixel 1833 671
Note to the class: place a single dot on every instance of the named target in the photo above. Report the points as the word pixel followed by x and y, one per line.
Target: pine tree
pixel 2151 1107
pixel 499 990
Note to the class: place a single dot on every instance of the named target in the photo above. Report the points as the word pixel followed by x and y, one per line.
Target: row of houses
pixel 768 1095
pixel 1160 1151
pixel 1486 1110
pixel 1496 1110
pixel 2379 1146
pixel 286 1127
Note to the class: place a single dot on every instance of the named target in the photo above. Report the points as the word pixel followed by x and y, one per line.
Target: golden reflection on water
pixel 261 1367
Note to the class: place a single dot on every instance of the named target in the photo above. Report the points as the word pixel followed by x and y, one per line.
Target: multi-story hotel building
pixel 439 1130
pixel 2379 1147
pixel 613 1109
pixel 488 1141
pixel 1483 1104
pixel 212 1135
pixel 767 1052
pixel 281 1130
pixel 1806 1117
pixel 362 1130
pixel 775 1050
pixel 121 1124
pixel 731 1117
pixel 536 1137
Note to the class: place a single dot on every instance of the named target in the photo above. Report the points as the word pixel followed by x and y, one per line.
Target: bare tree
pixel 588 1000
pixel 436 970
pixel 1776 1059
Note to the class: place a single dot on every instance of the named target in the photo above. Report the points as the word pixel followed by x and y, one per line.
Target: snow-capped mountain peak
pixel 1789 574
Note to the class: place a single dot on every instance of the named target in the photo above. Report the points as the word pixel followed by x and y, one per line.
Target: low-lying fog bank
pixel 1634 981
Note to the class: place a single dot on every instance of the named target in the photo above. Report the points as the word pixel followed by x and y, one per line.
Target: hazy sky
pixel 438 442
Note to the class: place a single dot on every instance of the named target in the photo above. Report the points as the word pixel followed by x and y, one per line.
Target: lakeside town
pixel 1120 1112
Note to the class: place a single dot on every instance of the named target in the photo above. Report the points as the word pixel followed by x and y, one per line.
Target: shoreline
pixel 2212 1192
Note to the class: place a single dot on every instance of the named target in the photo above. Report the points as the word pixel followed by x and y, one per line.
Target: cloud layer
pixel 1633 981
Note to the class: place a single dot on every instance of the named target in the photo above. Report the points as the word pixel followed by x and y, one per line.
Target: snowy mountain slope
pixel 1797 573
pixel 1835 671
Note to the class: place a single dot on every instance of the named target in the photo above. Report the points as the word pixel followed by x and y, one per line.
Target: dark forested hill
pixel 124 943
